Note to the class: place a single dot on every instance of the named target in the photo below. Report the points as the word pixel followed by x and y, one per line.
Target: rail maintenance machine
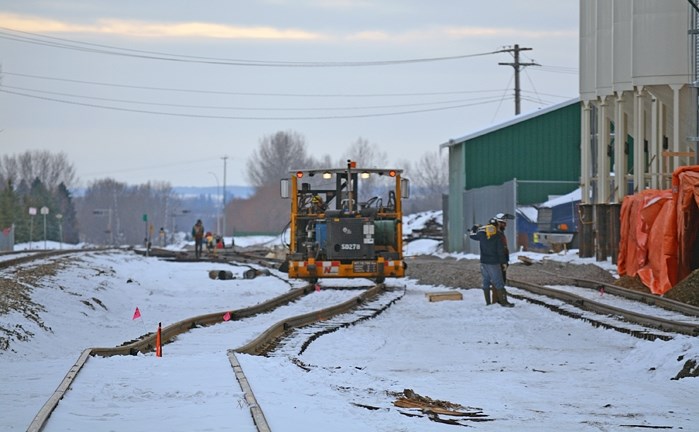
pixel 341 226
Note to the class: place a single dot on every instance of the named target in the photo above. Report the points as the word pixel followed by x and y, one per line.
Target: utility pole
pixel 517 65
pixel 225 158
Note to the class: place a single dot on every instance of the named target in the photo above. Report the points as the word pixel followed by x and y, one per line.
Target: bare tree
pixel 51 169
pixel 263 212
pixel 365 154
pixel 277 155
pixel 324 162
pixel 432 173
pixel 112 212
pixel 430 179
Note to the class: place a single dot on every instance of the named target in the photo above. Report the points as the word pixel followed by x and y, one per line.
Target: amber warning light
pixel 299 174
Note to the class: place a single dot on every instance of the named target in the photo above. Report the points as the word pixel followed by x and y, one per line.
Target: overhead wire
pixel 223 92
pixel 529 78
pixel 503 97
pixel 557 69
pixel 191 115
pixel 243 108
pixel 56 42
pixel 547 94
pixel 152 167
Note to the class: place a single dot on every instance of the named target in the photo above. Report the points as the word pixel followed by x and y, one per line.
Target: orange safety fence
pixel 659 231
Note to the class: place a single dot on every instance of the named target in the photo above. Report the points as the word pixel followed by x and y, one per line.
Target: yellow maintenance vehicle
pixel 345 223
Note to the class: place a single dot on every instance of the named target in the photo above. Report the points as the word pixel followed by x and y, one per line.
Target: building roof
pixel 510 122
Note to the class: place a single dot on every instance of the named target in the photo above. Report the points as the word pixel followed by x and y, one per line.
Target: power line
pixel 539 101
pixel 56 42
pixel 549 94
pixel 243 108
pixel 223 92
pixel 532 84
pixel 151 167
pixel 558 69
pixel 502 99
pixel 222 117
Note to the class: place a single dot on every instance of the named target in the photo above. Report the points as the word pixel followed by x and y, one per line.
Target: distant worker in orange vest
pixel 209 242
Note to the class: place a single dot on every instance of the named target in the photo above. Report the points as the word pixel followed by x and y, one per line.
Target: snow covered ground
pixel 524 369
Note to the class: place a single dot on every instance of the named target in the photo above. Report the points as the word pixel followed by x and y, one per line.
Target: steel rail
pixel 260 344
pixel 257 345
pixel 42 416
pixel 597 307
pixel 147 343
pixel 44 254
pixel 647 298
pixel 258 417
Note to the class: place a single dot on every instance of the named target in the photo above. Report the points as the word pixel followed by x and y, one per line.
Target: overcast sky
pixel 162 90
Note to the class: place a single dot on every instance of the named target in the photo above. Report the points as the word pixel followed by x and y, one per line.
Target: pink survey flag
pixel 136 314
pixel 227 316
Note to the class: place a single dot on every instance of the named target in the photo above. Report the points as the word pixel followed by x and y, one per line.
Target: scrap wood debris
pixel 433 408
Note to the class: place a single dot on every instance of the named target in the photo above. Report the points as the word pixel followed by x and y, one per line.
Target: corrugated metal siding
pixel 544 148
pixel 456 188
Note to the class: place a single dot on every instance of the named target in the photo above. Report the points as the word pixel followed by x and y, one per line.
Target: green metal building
pixel 522 161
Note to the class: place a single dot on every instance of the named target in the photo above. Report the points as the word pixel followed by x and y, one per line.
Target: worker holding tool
pixel 494 257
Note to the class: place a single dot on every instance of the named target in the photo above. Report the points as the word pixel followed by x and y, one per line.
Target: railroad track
pixel 303 330
pixel 221 256
pixel 365 302
pixel 29 256
pixel 685 322
pixel 147 343
pixel 291 336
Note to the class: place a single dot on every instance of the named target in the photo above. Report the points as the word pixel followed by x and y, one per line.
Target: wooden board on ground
pixel 448 295
pixel 406 403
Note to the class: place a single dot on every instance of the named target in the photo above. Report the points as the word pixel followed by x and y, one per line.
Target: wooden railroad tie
pixel 446 295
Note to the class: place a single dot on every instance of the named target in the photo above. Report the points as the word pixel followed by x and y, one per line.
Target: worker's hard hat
pixel 502 217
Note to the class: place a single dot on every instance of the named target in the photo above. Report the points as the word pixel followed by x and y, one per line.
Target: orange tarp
pixel 643 227
pixel 658 232
pixel 685 191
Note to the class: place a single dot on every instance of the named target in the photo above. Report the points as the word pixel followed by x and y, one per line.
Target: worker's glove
pixel 504 267
pixel 474 229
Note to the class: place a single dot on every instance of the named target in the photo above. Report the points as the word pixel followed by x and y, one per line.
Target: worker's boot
pixel 502 296
pixel 495 298
pixel 486 294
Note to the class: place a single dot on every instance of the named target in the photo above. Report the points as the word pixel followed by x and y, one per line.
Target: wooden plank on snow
pixel 447 295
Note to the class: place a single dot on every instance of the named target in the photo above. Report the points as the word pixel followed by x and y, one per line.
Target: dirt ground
pixel 16 286
pixel 466 274
pixel 686 291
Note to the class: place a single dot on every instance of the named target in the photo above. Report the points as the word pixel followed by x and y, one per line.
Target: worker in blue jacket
pixel 494 257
